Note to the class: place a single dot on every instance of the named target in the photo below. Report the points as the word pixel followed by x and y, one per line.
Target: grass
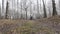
pixel 41 26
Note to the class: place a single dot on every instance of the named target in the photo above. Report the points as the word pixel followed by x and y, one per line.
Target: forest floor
pixel 49 25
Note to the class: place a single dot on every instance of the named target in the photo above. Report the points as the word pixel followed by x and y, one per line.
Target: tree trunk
pixel 0 11
pixel 25 7
pixel 37 7
pixel 2 7
pixel 21 16
pixel 30 10
pixel 26 13
pixel 17 10
pixel 45 15
pixel 54 8
pixel 59 3
pixel 6 16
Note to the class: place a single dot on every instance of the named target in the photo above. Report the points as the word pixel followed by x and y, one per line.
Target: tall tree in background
pixel 37 6
pixel 59 4
pixel 54 8
pixel 38 10
pixel 49 11
pixel 6 14
pixel 21 8
pixel 45 14
pixel 30 10
pixel 0 11
pixel 12 9
pixel 26 12
pixel 17 9
pixel 40 6
pixel 25 7
pixel 2 6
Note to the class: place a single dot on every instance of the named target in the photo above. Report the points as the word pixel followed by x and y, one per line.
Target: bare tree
pixel 25 7
pixel 54 8
pixel 30 10
pixel 49 11
pixel 0 11
pixel 40 6
pixel 38 10
pixel 17 9
pixel 2 6
pixel 37 6
pixel 12 10
pixel 26 12
pixel 45 15
pixel 21 8
pixel 6 14
pixel 59 3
